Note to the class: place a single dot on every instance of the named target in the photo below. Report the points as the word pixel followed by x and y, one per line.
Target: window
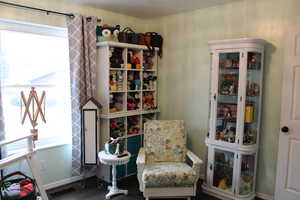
pixel 34 55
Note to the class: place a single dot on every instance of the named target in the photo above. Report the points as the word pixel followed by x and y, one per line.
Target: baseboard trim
pixel 65 182
pixel 264 196
pixel 78 178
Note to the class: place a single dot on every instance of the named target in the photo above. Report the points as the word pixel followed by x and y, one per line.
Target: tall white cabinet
pixel 234 120
pixel 126 87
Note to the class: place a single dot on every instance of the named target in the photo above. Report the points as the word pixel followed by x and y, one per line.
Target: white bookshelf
pixel 125 91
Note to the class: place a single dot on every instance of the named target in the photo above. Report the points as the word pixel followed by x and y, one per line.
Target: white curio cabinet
pixel 234 125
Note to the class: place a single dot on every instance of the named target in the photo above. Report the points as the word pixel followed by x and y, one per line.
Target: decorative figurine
pixel 229 84
pixel 107 33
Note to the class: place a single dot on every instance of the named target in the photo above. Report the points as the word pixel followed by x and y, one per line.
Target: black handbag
pixel 127 35
pixel 7 194
pixel 155 40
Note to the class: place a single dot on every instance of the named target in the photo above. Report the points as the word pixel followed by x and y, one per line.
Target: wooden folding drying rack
pixel 33 109
pixel 28 156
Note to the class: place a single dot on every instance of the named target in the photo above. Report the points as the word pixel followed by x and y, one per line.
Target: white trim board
pixel 264 196
pixel 78 178
pixel 65 181
pixel 12 25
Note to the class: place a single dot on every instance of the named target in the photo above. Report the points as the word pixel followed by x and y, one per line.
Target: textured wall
pixel 184 69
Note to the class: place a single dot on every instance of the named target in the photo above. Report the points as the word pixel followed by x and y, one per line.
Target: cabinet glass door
pixel 227 101
pixel 223 170
pixel 253 92
pixel 247 174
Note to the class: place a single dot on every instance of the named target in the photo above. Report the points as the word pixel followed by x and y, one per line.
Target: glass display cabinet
pixel 235 107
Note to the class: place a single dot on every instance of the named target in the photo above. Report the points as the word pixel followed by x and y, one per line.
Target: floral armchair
pixel 166 168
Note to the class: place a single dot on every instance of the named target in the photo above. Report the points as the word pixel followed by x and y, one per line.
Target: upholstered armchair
pixel 166 168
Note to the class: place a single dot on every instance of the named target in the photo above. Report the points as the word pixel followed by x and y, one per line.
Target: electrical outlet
pixel 43 165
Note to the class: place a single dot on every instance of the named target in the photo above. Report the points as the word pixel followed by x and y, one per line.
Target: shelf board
pixel 224 164
pixel 229 95
pixel 134 69
pixel 117 69
pixel 235 68
pixel 132 135
pixel 150 111
pixel 229 120
pixel 123 45
pixel 134 90
pixel 227 103
pixel 117 91
pixel 251 68
pixel 153 90
pixel 149 70
pixel 127 113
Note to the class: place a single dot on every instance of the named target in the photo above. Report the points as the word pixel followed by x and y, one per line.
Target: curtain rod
pixel 39 9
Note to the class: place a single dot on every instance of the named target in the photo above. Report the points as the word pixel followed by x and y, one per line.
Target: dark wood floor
pixel 92 190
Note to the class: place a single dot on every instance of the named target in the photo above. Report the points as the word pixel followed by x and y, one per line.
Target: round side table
pixel 113 160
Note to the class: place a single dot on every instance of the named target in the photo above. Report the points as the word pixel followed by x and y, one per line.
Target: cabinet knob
pixel 285 129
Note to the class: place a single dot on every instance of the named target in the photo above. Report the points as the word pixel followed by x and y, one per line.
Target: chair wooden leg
pixel 37 177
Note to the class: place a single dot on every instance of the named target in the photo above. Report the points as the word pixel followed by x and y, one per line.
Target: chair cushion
pixel 165 141
pixel 167 174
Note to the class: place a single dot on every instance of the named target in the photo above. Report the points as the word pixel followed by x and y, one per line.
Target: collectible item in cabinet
pixel 229 84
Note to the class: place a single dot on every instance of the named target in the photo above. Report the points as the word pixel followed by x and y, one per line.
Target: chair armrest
pixel 196 162
pixel 141 162
pixel 141 159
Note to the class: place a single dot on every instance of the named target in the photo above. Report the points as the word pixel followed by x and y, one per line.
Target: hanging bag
pixel 21 188
pixel 152 40
pixel 157 41
pixel 127 35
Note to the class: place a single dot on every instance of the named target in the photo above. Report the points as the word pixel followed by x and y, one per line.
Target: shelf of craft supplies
pixel 123 93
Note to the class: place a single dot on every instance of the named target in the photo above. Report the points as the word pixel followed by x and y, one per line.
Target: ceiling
pixel 151 8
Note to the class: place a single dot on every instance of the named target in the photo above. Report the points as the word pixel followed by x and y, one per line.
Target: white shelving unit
pixel 127 91
pixel 235 109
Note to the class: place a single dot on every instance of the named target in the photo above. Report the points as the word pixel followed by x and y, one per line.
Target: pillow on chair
pixel 165 141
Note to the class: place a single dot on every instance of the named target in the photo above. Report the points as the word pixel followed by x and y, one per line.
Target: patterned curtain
pixel 82 50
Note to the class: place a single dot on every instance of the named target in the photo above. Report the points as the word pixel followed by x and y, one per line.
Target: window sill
pixel 41 147
pixel 50 146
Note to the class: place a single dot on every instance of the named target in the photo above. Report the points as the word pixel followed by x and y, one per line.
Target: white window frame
pixel 17 26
